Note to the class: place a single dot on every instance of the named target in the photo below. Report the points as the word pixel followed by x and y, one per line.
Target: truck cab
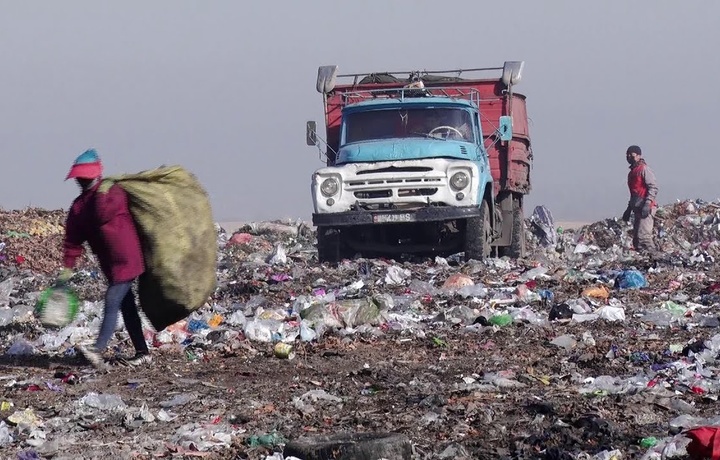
pixel 409 165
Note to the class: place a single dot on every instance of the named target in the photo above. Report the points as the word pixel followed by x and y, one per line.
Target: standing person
pixel 643 191
pixel 103 220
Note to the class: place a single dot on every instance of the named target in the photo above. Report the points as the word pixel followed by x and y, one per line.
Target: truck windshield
pixel 426 122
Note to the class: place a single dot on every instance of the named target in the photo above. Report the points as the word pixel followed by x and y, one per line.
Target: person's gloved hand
pixel 626 215
pixel 65 275
pixel 645 209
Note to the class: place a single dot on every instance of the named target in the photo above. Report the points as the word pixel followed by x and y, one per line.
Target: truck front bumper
pixel 428 214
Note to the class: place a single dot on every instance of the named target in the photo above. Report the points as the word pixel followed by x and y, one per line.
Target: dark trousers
pixel 119 297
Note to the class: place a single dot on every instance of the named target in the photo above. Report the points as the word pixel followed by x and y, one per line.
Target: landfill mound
pixel 584 349
pixel 32 239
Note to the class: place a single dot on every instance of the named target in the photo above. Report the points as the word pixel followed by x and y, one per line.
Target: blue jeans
pixel 119 297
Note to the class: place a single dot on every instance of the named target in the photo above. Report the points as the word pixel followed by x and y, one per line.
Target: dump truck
pixel 430 162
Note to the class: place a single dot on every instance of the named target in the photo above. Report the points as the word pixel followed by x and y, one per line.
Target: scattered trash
pixel 457 281
pixel 284 351
pixel 580 343
pixel 106 402
pixel 543 226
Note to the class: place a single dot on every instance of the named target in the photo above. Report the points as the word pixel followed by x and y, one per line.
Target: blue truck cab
pixel 410 173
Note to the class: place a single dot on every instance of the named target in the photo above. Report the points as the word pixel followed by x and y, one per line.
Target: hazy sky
pixel 225 87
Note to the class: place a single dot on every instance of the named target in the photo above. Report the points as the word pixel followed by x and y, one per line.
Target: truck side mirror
pixel 512 72
pixel 505 128
pixel 327 75
pixel 311 133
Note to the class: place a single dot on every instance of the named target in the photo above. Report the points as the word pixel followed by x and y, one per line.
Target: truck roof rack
pixel 355 96
pixel 422 72
pixel 327 75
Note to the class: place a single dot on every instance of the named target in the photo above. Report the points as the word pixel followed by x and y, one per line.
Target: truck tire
pixel 516 250
pixel 478 232
pixel 329 245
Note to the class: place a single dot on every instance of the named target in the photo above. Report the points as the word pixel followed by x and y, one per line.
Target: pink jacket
pixel 103 220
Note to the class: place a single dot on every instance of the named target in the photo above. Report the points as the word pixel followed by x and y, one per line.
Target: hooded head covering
pixel 86 166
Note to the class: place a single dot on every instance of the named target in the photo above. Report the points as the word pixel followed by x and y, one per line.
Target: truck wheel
pixel 329 245
pixel 516 250
pixel 478 232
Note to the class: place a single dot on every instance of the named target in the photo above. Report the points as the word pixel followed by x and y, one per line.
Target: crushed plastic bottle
pixel 528 315
pixel 307 333
pixel 103 401
pixel 537 272
pixel 566 341
pixel 661 318
pixel 6 316
pixel 686 421
pixel 5 434
pixel 6 288
pixel 179 400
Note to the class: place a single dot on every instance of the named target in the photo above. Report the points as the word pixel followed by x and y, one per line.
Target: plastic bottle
pixel 103 401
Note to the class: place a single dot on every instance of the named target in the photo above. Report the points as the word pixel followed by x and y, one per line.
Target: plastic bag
pixel 630 279
pixel 57 306
pixel 543 226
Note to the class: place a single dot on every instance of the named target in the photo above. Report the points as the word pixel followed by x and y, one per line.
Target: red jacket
pixel 105 222
pixel 642 184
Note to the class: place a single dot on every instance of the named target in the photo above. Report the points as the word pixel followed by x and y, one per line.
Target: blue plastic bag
pixel 630 279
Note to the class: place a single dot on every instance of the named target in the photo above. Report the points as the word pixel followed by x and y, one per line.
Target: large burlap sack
pixel 174 219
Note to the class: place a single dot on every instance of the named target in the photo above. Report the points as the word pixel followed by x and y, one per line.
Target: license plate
pixel 384 218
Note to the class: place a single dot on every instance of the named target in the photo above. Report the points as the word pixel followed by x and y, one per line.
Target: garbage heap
pixel 686 232
pixel 31 240
pixel 583 349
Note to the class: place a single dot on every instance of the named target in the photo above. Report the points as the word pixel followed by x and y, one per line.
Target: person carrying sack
pixel 104 221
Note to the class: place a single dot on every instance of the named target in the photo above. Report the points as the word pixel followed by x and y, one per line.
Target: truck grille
pixel 417 192
pixel 370 194
pixel 397 186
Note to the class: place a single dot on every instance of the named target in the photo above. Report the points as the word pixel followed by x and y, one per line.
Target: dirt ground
pixel 391 383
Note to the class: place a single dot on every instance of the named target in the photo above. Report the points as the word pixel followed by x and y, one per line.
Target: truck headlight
pixel 329 186
pixel 459 181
